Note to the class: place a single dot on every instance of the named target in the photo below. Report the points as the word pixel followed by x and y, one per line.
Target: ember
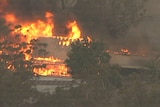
pixel 125 52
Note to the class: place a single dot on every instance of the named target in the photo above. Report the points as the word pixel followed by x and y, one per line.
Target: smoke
pixel 28 9
pixel 145 36
pixel 148 29
pixel 33 10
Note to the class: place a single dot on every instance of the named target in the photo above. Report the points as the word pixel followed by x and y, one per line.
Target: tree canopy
pixel 86 56
pixel 15 71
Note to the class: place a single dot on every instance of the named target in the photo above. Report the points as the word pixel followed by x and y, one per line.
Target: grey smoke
pixel 144 36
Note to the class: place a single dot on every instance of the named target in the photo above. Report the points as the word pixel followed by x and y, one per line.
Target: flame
pixel 54 66
pixel 45 28
pixel 37 29
pixel 74 34
pixel 125 51
pixel 49 59
pixel 75 31
pixel 49 70
pixel 10 18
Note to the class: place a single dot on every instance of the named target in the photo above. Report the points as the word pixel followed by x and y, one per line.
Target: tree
pixel 98 92
pixel 15 90
pixel 16 75
pixel 138 90
pixel 88 62
pixel 16 71
pixel 86 56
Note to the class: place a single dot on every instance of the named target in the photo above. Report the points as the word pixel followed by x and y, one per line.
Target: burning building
pixel 52 45
pixel 51 49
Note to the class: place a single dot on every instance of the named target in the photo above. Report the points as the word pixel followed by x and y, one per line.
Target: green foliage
pixel 86 56
pixel 13 57
pixel 108 89
pixel 15 89
pixel 154 68
pixel 94 93
pixel 110 76
pixel 15 71
pixel 139 90
pixel 15 75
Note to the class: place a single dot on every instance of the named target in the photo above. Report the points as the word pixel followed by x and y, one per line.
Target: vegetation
pixel 105 86
pixel 87 56
pixel 99 83
pixel 15 80
pixel 15 72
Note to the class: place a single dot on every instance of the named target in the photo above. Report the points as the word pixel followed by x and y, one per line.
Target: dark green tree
pixel 98 92
pixel 16 72
pixel 15 80
pixel 87 56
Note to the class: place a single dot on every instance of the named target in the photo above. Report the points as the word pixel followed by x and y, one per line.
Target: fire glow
pixel 127 52
pixel 49 66
pixel 33 30
pixel 53 66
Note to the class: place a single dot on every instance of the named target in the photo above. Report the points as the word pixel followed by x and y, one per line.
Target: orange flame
pixel 41 28
pixel 37 29
pixel 125 51
pixel 75 31
pixel 49 59
pixel 10 18
pixel 56 70
pixel 54 66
